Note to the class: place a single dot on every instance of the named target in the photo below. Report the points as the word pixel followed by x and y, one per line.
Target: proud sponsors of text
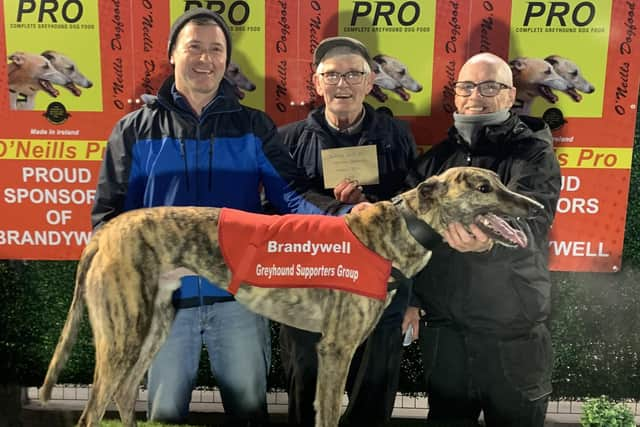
pixel 306 271
pixel 44 238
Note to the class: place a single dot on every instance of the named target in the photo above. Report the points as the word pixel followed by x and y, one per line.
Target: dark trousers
pixel 372 381
pixel 509 380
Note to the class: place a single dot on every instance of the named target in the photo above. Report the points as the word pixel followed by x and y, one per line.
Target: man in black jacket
pixel 484 343
pixel 343 78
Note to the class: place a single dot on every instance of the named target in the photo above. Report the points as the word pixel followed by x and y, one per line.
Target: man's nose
pixel 343 81
pixel 475 93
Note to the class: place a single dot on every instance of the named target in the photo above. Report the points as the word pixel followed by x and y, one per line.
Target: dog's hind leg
pixel 105 381
pixel 125 397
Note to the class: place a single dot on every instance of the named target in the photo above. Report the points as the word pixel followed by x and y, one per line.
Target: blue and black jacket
pixel 165 155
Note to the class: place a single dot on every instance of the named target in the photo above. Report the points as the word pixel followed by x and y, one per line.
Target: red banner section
pixel 578 58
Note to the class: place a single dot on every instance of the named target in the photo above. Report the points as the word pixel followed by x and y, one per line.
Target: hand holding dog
pixel 463 240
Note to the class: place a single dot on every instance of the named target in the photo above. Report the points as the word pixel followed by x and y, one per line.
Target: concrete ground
pixel 66 413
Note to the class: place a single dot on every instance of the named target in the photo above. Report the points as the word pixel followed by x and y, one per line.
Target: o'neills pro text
pixel 308 247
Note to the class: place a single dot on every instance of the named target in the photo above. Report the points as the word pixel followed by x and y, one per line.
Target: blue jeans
pixel 239 346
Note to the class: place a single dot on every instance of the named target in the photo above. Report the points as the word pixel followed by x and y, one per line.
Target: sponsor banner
pixel 588 231
pixel 283 72
pixel 246 21
pixel 47 190
pixel 391 30
pixel 585 51
pixel 576 64
pixel 67 67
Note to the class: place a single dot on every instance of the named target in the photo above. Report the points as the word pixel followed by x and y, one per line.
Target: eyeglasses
pixel 351 77
pixel 487 88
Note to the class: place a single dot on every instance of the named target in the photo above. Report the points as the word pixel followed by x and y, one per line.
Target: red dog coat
pixel 299 251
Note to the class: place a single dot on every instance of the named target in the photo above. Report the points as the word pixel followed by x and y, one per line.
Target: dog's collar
pixel 422 232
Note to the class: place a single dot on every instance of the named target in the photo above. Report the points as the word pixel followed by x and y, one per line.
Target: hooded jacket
pixel 164 155
pixel 505 290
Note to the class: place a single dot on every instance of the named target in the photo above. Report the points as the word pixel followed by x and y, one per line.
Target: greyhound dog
pixel 29 73
pixel 392 74
pixel 238 80
pixel 534 77
pixel 568 70
pixel 66 66
pixel 130 309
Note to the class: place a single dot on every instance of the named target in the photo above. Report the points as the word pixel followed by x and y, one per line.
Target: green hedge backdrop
pixel 595 323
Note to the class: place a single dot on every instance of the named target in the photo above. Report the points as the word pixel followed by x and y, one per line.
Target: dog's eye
pixel 484 188
pixel 574 73
pixel 403 72
pixel 71 68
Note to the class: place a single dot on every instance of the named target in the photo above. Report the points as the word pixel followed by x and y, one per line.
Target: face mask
pixel 470 126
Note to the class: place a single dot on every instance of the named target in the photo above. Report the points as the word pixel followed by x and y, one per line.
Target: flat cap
pixel 356 46
pixel 190 15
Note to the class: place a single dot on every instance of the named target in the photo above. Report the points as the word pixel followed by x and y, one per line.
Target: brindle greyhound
pixel 130 309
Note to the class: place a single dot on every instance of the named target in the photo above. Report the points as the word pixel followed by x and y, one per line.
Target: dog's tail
pixel 70 330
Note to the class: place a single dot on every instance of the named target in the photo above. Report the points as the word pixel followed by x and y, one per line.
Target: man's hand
pixel 411 317
pixel 349 191
pixel 461 240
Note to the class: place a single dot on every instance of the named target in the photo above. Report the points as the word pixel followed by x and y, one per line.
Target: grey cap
pixel 191 14
pixel 332 42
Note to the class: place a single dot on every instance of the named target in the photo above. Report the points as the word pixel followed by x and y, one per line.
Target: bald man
pixel 479 310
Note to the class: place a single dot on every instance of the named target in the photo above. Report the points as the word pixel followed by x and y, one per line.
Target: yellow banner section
pixel 594 157
pixel 394 31
pixel 29 149
pixel 68 34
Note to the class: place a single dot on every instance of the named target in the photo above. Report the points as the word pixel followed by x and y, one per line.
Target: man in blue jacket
pixel 194 144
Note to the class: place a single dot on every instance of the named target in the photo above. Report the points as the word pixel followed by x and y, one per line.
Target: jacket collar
pixel 223 102
pixel 373 128
pixel 495 139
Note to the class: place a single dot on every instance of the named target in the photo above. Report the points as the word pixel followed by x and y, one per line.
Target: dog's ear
pixel 47 54
pixel 379 59
pixel 551 59
pixel 17 58
pixel 517 64
pixel 431 188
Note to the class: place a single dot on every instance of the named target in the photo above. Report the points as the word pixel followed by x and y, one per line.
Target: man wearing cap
pixel 194 144
pixel 343 78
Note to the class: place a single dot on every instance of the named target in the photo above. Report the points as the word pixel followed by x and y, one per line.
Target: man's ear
pixel 317 84
pixel 369 81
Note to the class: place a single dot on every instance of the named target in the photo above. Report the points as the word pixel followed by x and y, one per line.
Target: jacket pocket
pixel 528 362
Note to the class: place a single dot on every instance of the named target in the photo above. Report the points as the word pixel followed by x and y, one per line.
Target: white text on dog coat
pixel 308 247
